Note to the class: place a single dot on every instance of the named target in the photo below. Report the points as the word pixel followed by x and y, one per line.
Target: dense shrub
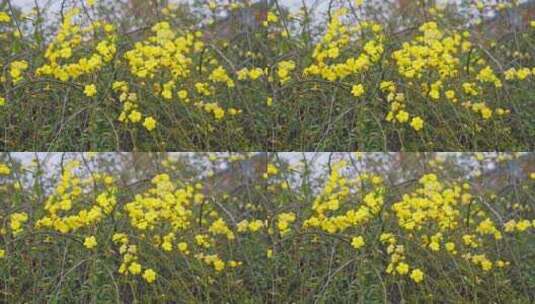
pixel 248 77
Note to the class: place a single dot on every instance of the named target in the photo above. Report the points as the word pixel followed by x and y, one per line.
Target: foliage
pixel 244 77
pixel 353 228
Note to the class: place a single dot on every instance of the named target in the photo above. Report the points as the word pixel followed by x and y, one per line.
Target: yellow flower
pixel 486 113
pixel 435 246
pixel 17 220
pixel 90 242
pixel 2 253
pixel 167 246
pixel 486 265
pixel 4 169
pixel 183 94
pixel 417 275
pixel 272 170
pixel 402 268
pixel 134 116
pixel 450 94
pixel 402 116
pixel 134 268
pixel 357 242
pixel 285 67
pixel 182 246
pixel 523 225
pixel 450 246
pixel 435 94
pixel 90 90
pixel 149 275
pixel 16 69
pixel 2 101
pixel 358 90
pixel 219 265
pixel 256 225
pixel 417 123
pixel 272 17
pixel 4 17
pixel 149 123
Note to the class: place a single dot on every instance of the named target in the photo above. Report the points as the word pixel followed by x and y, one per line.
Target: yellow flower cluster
pixel 130 257
pixel 284 220
pixel 519 74
pixel 166 211
pixel 17 221
pixel 253 225
pixel 433 61
pixel 439 216
pixel 214 260
pixel 284 70
pixel 431 203
pixel 170 54
pixel 60 55
pixel 251 74
pixel 65 210
pixel 4 169
pixel 163 51
pixel 271 19
pixel 4 17
pixel 162 204
pixel 16 68
pixel 271 170
pixel 520 225
pixel 333 198
pixel 219 74
pixel 130 107
pixel 329 60
pixel 220 227
pixel 431 51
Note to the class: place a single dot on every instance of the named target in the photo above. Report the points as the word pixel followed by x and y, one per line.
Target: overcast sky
pixel 30 3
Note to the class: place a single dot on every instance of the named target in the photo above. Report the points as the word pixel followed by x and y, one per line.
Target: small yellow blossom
pixel 402 268
pixel 402 116
pixel 135 116
pixel 149 275
pixel 90 242
pixel 358 90
pixel 417 275
pixel 4 17
pixel 149 123
pixel 357 242
pixel 269 101
pixel 134 268
pixel 90 90
pixel 4 169
pixel 417 123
